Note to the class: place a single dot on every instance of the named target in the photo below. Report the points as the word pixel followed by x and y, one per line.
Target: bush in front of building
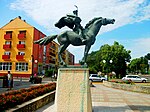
pixel 16 97
pixel 49 73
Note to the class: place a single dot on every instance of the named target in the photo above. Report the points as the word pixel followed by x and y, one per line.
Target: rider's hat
pixel 75 12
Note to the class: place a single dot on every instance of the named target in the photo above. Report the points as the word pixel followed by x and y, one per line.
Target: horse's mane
pixel 92 21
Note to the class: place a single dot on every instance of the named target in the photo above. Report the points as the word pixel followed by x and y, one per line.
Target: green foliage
pixel 129 82
pixel 91 61
pixel 49 73
pixel 115 57
pixel 139 65
pixel 147 56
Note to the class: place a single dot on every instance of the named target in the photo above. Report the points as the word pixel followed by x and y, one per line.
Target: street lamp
pixel 32 60
pixel 104 61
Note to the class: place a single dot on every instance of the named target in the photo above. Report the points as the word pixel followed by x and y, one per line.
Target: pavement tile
pixel 106 99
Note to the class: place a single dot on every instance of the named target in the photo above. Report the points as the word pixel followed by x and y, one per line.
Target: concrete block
pixel 73 90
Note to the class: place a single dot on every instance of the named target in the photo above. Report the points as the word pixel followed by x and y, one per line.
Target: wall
pixel 128 87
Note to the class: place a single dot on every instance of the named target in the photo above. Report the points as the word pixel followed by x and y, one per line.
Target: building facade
pixel 21 56
pixel 18 53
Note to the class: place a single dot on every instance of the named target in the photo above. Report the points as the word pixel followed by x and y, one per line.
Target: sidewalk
pixel 106 99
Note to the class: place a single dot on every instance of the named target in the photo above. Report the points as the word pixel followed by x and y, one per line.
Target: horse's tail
pixel 45 40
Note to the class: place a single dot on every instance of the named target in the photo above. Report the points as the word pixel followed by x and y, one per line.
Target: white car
pixel 95 77
pixel 134 78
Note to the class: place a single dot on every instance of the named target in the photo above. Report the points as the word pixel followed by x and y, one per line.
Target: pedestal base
pixel 73 90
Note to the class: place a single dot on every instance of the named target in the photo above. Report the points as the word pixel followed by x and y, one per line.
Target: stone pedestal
pixel 73 90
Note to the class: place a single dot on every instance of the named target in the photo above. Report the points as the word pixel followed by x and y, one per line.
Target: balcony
pixel 7 46
pixel 52 61
pixel 6 57
pixel 8 36
pixel 20 57
pixel 20 46
pixel 21 36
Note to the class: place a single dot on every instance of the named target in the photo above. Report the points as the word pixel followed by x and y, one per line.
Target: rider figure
pixel 73 22
pixel 77 26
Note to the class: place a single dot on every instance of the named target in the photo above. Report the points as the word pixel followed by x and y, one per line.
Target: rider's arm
pixel 70 15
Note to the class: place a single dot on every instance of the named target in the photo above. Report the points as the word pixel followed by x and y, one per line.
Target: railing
pixel 8 36
pixel 20 57
pixel 7 46
pixel 21 36
pixel 5 57
pixel 20 46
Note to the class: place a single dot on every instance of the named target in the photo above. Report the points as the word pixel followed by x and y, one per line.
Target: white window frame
pixel 7 42
pixel 21 53
pixel 5 66
pixel 22 42
pixel 7 53
pixel 21 66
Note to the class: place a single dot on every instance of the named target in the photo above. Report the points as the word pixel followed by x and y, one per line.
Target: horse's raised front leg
pixel 87 48
pixel 62 48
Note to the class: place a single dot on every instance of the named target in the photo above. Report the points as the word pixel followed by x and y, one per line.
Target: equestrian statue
pixel 79 36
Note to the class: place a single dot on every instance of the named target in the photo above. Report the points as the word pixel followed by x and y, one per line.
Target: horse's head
pixel 106 21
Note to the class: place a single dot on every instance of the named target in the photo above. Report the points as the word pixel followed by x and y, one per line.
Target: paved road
pixel 22 83
pixel 106 99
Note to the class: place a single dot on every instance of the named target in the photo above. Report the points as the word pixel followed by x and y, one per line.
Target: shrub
pixel 49 73
pixel 15 97
pixel 129 82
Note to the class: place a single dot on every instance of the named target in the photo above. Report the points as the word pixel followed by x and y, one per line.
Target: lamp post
pixel 148 66
pixel 32 60
pixel 104 61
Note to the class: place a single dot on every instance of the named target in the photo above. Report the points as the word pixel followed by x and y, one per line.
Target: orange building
pixel 18 53
pixel 21 56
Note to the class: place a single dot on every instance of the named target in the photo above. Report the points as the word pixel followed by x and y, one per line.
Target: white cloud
pixel 140 47
pixel 48 12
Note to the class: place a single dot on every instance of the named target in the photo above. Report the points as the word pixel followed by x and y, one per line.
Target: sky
pixel 131 28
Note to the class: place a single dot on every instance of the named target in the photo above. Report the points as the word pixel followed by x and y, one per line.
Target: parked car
pixel 134 78
pixel 95 77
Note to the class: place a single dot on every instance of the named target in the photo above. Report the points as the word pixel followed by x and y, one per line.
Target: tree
pixel 147 56
pixel 91 61
pixel 115 57
pixel 139 65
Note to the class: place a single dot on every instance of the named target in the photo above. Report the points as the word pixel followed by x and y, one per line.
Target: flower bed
pixel 16 97
pixel 123 82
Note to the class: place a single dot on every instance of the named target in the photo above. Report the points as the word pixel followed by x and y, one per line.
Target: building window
pixel 21 42
pixel 21 53
pixel 5 65
pixel 7 53
pixel 21 66
pixel 22 32
pixel 7 42
pixel 8 32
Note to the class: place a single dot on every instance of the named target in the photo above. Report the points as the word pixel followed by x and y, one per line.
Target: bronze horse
pixel 70 37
